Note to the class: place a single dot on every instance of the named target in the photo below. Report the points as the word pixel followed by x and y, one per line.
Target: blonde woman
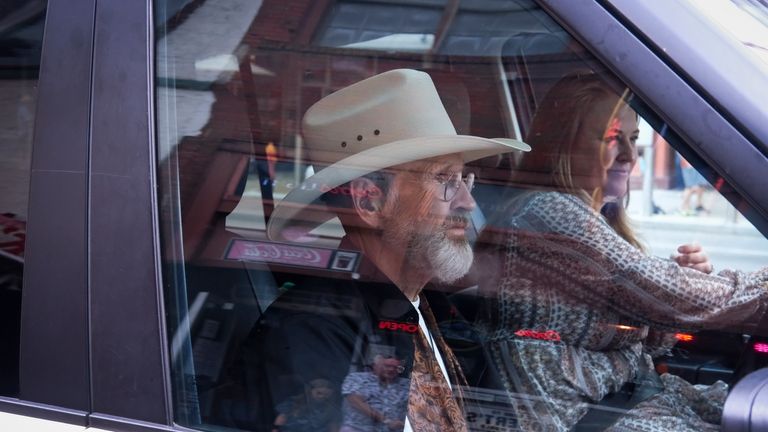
pixel 575 304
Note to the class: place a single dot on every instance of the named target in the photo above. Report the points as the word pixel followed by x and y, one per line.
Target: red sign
pixel 398 326
pixel 549 335
pixel 279 253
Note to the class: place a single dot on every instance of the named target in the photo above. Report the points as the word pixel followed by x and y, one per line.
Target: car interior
pixel 226 292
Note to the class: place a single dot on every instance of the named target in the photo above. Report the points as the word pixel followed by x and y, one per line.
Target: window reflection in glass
pixel 231 99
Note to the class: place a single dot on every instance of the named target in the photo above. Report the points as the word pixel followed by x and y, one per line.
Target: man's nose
pixel 463 199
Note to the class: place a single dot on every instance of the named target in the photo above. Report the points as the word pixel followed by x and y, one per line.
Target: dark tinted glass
pixel 21 34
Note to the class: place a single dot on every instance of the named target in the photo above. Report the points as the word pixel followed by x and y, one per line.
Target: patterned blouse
pixel 572 308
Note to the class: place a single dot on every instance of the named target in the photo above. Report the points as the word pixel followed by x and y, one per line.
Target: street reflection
pixel 313 410
pixel 376 399
pixel 566 307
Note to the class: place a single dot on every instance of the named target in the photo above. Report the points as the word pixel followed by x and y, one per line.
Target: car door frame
pixel 94 344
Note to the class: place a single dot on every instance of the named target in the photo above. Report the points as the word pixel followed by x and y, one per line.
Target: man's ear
pixel 368 200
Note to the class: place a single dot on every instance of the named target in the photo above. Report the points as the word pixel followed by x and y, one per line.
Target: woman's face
pixel 605 152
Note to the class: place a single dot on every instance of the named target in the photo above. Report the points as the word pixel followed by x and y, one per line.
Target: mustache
pixel 458 218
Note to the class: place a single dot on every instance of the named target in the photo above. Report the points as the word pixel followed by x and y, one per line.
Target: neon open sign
pixel 398 326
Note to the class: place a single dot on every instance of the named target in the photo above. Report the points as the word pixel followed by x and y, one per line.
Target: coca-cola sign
pixel 246 250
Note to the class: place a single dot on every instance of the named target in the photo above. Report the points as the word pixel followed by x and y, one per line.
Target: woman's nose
pixel 627 150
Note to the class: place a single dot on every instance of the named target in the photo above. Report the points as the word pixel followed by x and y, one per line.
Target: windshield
pixel 744 20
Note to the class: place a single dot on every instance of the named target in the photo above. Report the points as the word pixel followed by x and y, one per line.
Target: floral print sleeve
pixel 556 237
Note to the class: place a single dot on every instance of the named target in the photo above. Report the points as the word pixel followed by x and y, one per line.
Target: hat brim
pixel 289 210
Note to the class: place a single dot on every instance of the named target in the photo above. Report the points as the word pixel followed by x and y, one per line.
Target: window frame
pixel 86 359
pixel 53 348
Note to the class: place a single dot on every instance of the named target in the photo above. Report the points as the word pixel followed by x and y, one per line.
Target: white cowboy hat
pixel 383 121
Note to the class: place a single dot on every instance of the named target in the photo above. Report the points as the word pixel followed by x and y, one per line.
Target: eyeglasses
pixel 451 183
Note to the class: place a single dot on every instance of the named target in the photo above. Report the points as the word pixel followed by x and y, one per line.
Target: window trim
pixel 92 259
pixel 54 344
pixel 686 51
pixel 124 211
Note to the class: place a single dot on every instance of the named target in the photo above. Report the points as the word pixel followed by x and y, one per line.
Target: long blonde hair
pixel 552 137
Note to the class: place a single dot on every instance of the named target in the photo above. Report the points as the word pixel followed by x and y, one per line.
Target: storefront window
pixel 367 206
pixel 21 33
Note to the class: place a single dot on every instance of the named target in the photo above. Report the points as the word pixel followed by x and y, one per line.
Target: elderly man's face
pixel 387 369
pixel 431 230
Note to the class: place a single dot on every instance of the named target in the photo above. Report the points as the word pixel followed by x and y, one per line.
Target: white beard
pixel 447 259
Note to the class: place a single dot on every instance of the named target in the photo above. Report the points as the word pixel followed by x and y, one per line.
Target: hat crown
pixel 395 105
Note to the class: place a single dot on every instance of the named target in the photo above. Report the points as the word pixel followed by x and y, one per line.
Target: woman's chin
pixel 614 191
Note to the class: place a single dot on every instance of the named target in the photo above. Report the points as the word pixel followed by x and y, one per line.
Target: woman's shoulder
pixel 542 202
pixel 558 198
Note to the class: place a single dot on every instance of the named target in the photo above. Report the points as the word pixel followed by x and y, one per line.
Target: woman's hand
pixel 692 255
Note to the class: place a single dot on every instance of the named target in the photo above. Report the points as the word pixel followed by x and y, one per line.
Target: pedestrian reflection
pixel 377 399
pixel 313 410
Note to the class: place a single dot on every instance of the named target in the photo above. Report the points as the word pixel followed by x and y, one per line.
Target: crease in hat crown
pixel 392 106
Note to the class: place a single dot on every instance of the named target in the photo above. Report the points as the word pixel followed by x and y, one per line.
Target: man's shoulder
pixel 319 287
pixel 356 379
pixel 343 297
pixel 313 300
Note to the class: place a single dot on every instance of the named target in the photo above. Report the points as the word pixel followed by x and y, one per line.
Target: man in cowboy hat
pixel 394 176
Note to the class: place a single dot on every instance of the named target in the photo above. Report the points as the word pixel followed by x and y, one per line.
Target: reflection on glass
pixel 376 399
pixel 312 410
pixel 673 203
pixel 279 300
pixel 391 172
pixel 21 34
pixel 744 20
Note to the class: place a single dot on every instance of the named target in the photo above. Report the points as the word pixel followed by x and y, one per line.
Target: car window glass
pixel 352 224
pixel 21 33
